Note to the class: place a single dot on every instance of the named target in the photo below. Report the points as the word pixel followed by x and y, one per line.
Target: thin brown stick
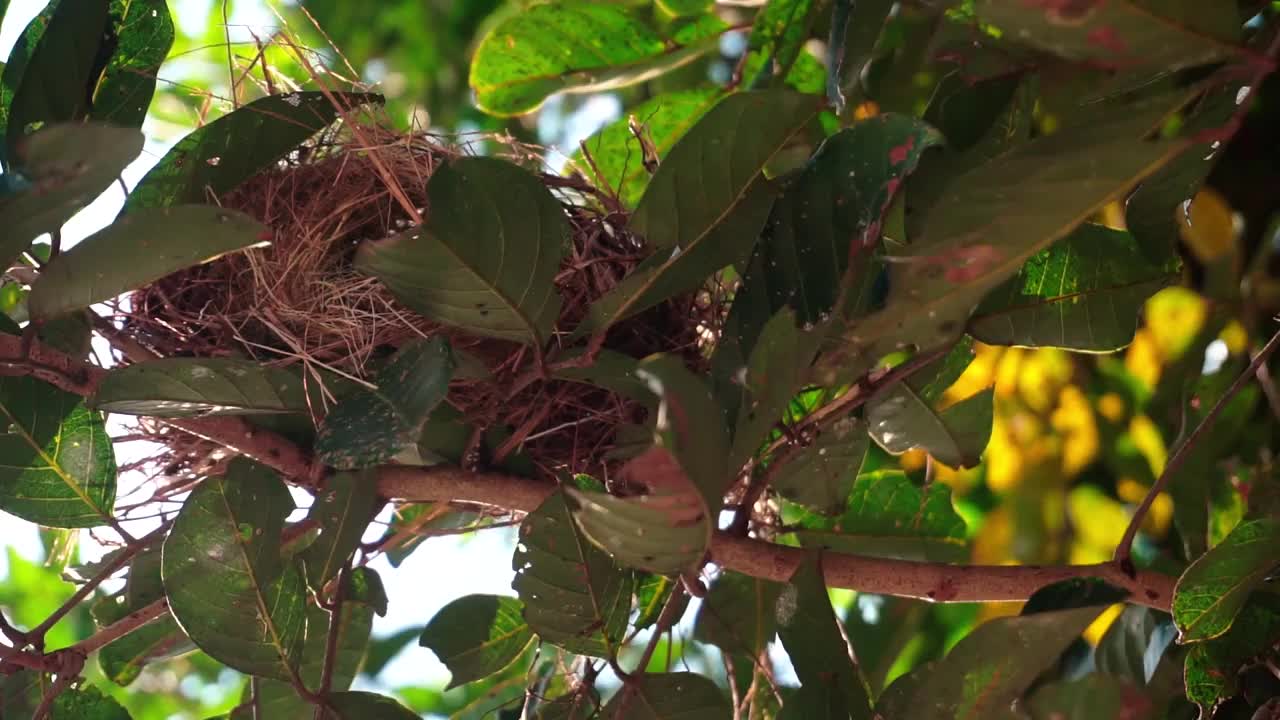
pixel 1123 553
pixel 123 626
pixel 331 640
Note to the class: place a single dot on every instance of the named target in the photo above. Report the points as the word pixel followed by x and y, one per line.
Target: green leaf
pixel 1156 34
pixel 143 34
pixel 700 212
pixel 343 509
pixel 137 249
pixel 738 614
pixel 812 636
pixel 988 669
pixel 778 35
pixel 574 596
pixel 662 532
pixel 279 700
pixel 571 46
pixel 821 476
pixel 227 586
pixel 476 636
pixel 21 691
pixel 889 516
pixel 364 585
pixel 59 469
pixel 58 80
pixel 668 696
pixel 489 262
pixel 217 157
pixel 779 362
pixel 15 67
pixel 372 427
pixel 122 660
pixel 1212 666
pixel 1133 644
pixel 66 167
pixel 1215 586
pixel 1090 697
pixel 617 155
pixel 990 221
pixel 1085 292
pixel 86 703
pixel 359 705
pixel 690 425
pixel 652 591
pixel 193 387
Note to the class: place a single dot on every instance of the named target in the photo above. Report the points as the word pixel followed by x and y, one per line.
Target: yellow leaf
pixel 1093 634
pixel 1208 225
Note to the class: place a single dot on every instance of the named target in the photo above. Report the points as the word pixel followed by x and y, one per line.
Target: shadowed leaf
pixel 668 696
pixel 188 387
pixel 143 31
pixel 476 636
pixel 343 509
pixel 280 701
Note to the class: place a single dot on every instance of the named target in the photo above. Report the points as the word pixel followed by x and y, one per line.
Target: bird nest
pixel 298 302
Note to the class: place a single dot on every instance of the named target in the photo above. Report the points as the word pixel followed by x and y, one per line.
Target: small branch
pixel 122 627
pixel 671 612
pixel 331 640
pixel 1123 553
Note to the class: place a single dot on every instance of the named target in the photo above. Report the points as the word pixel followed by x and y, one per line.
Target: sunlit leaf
pixel 1217 584
pixel 1212 666
pixel 668 696
pixel 777 38
pixel 59 468
pixel 227 585
pixel 476 636
pixel 143 34
pixel 86 703
pixel 488 263
pixel 187 387
pixel 343 508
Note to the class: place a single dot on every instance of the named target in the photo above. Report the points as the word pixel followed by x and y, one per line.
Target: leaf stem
pixel 331 639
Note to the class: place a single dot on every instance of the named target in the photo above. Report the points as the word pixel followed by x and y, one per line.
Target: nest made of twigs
pixel 299 302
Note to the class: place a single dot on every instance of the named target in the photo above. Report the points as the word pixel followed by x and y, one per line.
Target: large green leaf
pixel 738 614
pixel 143 33
pixel 777 38
pixel 60 75
pixel 137 249
pixel 574 596
pixel 487 257
pixel 189 387
pixel 617 155
pixel 890 516
pixel 227 585
pixel 1212 666
pixel 280 701
pixel 690 425
pixel 214 159
pixel 777 367
pixel 662 532
pixel 987 670
pixel 990 221
pixel 59 469
pixel 668 696
pixel 476 636
pixel 64 167
pixel 15 66
pixel 371 427
pixel 704 207
pixel 1085 292
pixel 343 509
pixel 572 46
pixel 360 705
pixel 821 476
pixel 1217 584
pixel 812 636
pixel 1158 34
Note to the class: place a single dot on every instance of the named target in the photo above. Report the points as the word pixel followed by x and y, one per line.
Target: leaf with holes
pixel 59 469
pixel 1085 292
pixel 813 639
pixel 574 596
pixel 486 265
pixel 1214 588
pixel 137 249
pixel 617 155
pixel 217 157
pixel 668 696
pixel 343 509
pixel 371 427
pixel 65 167
pixel 476 636
pixel 574 46
pixel 280 701
pixel 191 387
pixel 227 585
pixel 143 34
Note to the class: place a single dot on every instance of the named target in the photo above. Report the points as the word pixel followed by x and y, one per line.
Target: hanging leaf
pixel 779 362
pixel 1089 697
pixel 59 77
pixel 217 157
pixel 618 156
pixel 1120 33
pixel 65 167
pixel 811 634
pixel 701 213
pixel 227 585
pixel 192 387
pixel 668 696
pixel 890 516
pixel 476 636
pixel 143 34
pixel 138 249
pixel 738 615
pixel 1214 588
pixel 279 701
pixel 1134 644
pixel 954 437
pixel 574 596
pixel 821 476
pixel 359 705
pixel 1085 292
pixel 573 46
pixel 991 221
pixel 988 669
pixel 372 427
pixel 1213 666
pixel 343 509
pixel 15 66
pixel 59 469
pixel 487 264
